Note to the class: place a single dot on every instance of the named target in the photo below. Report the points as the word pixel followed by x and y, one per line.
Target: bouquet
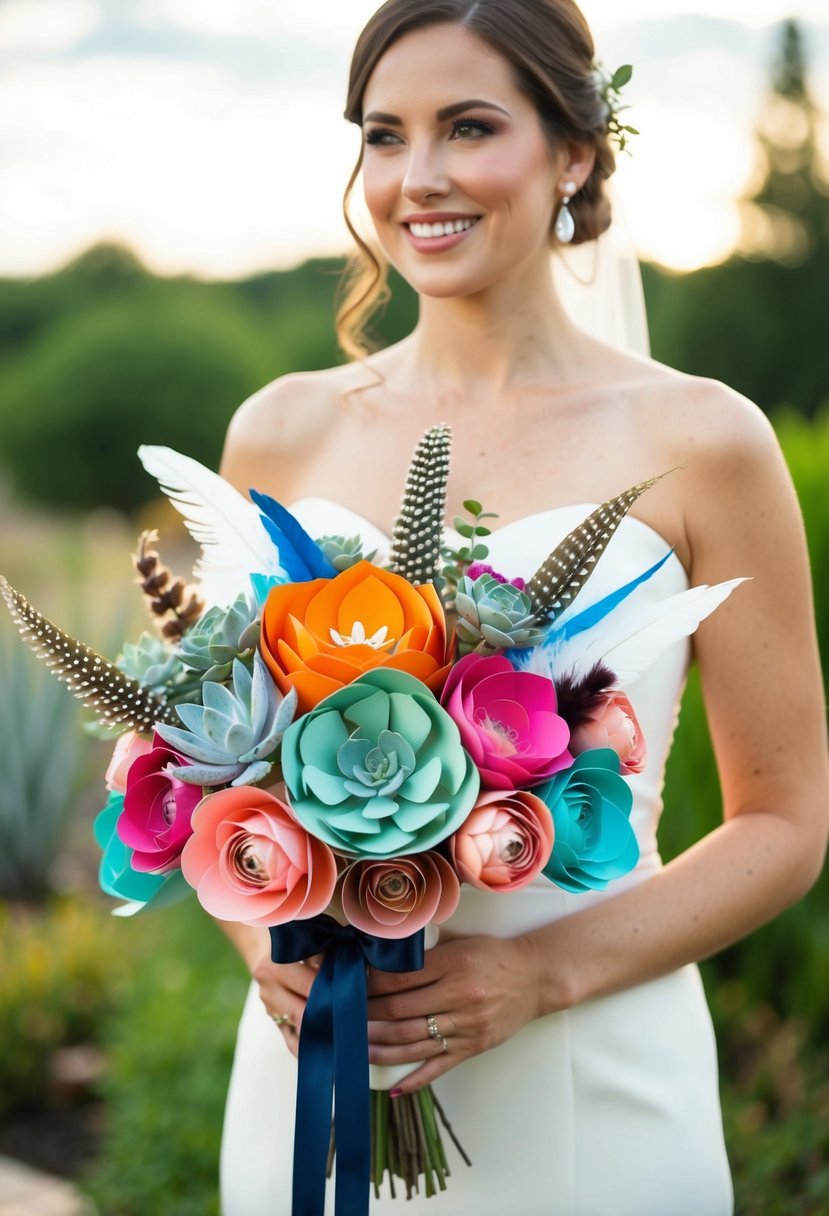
pixel 330 747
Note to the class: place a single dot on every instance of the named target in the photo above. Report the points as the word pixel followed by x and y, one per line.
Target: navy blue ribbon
pixel 333 1056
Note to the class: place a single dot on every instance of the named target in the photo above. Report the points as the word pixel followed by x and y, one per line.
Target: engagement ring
pixel 434 1033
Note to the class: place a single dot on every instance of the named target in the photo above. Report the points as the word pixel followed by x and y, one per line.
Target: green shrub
pixel 57 984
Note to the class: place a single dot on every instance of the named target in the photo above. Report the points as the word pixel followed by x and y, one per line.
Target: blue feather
pixel 598 611
pixel 300 557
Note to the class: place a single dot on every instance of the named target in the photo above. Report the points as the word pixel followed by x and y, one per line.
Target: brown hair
pixel 551 51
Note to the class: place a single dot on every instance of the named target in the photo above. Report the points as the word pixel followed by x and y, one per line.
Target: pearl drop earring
pixel 565 227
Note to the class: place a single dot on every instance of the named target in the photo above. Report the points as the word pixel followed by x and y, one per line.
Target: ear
pixel 576 162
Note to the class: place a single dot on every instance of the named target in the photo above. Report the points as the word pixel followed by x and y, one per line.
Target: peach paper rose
pixel 321 635
pixel 613 724
pixel 128 748
pixel 397 897
pixel 505 842
pixel 249 860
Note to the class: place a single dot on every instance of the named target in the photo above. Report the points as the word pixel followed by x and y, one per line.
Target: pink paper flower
pixel 251 861
pixel 508 721
pixel 397 897
pixel 613 724
pixel 506 841
pixel 478 568
pixel 155 821
pixel 128 748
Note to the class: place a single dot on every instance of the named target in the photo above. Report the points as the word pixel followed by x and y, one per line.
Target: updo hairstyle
pixel 551 50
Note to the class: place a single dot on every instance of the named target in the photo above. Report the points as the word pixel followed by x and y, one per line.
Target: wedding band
pixel 282 1019
pixel 434 1033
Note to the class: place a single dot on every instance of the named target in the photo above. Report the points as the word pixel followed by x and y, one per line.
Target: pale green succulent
pixel 230 737
pixel 494 613
pixel 344 552
pixel 220 636
pixel 153 663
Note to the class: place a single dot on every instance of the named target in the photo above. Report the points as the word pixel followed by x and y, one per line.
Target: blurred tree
pixel 758 321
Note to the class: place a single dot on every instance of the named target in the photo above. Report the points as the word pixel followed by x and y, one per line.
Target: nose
pixel 425 174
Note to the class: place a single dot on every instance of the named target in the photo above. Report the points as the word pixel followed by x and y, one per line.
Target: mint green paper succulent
pixel 232 736
pixel 378 768
pixel 153 663
pixel 495 613
pixel 344 552
pixel 220 636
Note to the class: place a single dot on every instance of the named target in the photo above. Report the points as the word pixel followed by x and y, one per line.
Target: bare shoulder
pixel 272 430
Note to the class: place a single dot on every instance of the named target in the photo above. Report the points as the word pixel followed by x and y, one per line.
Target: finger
pixel 406 1053
pixel 381 983
pixel 411 1030
pixel 427 1073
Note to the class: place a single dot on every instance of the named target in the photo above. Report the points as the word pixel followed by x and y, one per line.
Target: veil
pixel 600 285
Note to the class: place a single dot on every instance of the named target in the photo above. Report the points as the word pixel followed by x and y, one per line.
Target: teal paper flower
pixel 590 805
pixel 116 875
pixel 377 768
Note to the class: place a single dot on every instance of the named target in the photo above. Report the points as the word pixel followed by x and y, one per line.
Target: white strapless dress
pixel 607 1109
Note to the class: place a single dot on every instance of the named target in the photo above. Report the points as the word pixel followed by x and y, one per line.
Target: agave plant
pixel 230 737
pixel 219 637
pixel 494 614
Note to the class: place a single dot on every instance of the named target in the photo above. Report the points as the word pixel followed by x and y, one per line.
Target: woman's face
pixel 459 177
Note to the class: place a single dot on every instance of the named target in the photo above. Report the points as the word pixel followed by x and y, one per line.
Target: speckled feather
pixel 564 573
pixel 118 700
pixel 418 529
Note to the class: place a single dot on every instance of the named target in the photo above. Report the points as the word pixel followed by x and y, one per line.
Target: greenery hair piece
pixel 609 86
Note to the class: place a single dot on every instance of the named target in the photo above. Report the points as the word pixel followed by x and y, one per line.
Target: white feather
pixel 226 525
pixel 633 635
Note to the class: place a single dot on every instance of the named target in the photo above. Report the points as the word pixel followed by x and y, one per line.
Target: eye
pixel 470 128
pixel 379 135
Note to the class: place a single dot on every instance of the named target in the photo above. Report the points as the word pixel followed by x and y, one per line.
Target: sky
pixel 209 135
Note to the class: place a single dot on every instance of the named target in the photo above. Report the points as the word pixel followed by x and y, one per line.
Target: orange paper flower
pixel 321 635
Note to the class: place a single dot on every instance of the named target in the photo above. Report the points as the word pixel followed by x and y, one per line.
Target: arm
pixel 761 681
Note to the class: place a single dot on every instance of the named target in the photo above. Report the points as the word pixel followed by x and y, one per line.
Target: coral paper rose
pixel 321 635
pixel 378 769
pixel 398 897
pixel 506 841
pixel 155 822
pixel 508 721
pixel 250 860
pixel 612 723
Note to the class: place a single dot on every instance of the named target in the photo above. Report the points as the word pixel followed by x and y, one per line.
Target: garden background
pixel 116 1036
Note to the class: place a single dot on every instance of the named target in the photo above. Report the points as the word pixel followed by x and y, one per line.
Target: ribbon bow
pixel 333 1054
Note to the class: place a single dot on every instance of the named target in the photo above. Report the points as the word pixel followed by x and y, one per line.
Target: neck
pixel 513 334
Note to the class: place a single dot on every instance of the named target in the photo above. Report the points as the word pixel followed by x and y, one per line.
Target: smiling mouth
pixel 443 227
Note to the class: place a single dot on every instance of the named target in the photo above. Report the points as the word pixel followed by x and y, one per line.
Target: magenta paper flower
pixel 155 821
pixel 251 861
pixel 508 721
pixel 506 841
pixel 612 723
pixel 128 748
pixel 397 897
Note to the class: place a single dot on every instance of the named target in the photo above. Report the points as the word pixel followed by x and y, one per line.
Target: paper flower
pixel 590 805
pixel 321 635
pixel 612 723
pixel 249 860
pixel 155 822
pixel 506 841
pixel 115 873
pixel 129 747
pixel 378 768
pixel 508 721
pixel 230 737
pixel 398 897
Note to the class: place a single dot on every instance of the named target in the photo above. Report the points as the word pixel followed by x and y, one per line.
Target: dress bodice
pixel 518 549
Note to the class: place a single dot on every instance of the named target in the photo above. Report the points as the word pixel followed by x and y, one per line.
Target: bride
pixel 580 1068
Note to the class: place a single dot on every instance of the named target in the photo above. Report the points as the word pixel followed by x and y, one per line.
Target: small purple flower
pixel 478 568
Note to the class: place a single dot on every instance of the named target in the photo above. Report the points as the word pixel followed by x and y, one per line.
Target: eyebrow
pixel 457 107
